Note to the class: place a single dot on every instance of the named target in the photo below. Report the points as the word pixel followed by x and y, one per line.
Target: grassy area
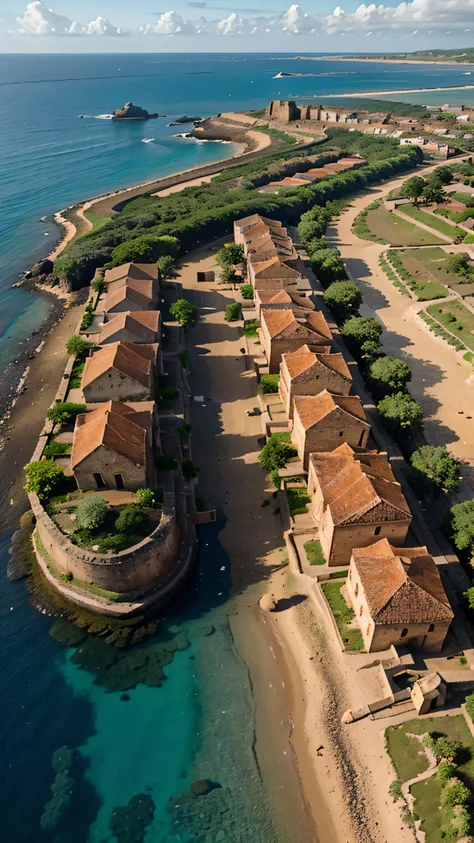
pixel 270 383
pixel 451 231
pixel 469 238
pixel 397 231
pixel 298 500
pixel 455 316
pixel 421 272
pixel 432 264
pixel 250 327
pixel 95 219
pixel 404 751
pixel 74 583
pixel 439 331
pixel 352 637
pixel 77 371
pixel 385 267
pixel 361 228
pixel 275 134
pixel 57 449
pixel 338 575
pixel 314 553
pixel 427 795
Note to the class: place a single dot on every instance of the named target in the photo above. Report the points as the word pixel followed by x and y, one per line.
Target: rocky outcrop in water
pixel 133 112
pixel 129 823
pixel 62 762
pixel 206 818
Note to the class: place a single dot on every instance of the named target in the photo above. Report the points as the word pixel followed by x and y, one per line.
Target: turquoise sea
pixel 149 741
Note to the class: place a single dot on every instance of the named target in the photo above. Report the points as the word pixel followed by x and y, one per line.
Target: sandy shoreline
pixel 371 94
pixel 381 60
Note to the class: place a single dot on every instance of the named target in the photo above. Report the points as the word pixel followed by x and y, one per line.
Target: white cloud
pixel 366 20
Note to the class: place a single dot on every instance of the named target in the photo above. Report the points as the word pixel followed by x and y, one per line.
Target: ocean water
pixel 200 722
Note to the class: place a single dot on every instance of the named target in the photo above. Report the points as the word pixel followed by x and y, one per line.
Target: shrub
pixel 189 469
pixel 184 358
pixel 65 411
pixel 167 267
pixel 131 518
pixel 145 498
pixel 360 329
pixel 446 771
pixel 461 823
pixel 443 748
pixel 470 705
pixel 184 312
pixel 437 466
pixel 343 299
pixel 275 476
pixel 389 374
pixel 55 449
pixel 401 413
pixel 86 320
pixel 43 477
pixel 146 248
pixel 91 513
pixel 230 255
pixel 328 266
pixel 247 291
pixel 98 285
pixel 233 312
pixel 454 793
pixel 77 345
pixel 276 453
pixel 117 542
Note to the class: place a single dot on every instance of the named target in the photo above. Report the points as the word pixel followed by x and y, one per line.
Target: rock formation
pixel 133 112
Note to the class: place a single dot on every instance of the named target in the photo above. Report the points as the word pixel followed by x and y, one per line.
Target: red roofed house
pixel 130 294
pixel 281 332
pixel 398 597
pixel 122 371
pixel 126 271
pixel 243 226
pixel 304 372
pixel 283 300
pixel 272 274
pixel 141 326
pixel 114 446
pixel 321 421
pixel 354 498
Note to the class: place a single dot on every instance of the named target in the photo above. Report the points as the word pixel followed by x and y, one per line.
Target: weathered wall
pixel 139 567
pixel 345 538
pixel 117 387
pixel 311 382
pixel 123 335
pixel 107 463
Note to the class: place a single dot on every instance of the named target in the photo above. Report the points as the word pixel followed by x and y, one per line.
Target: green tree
pixel 145 498
pixel 460 826
pixel 389 374
pixel 227 274
pixel 343 299
pixel 189 469
pixel 458 264
pixel 146 248
pixel 413 188
pixel 42 477
pixel 443 175
pixel 98 285
pixel 131 518
pixel 328 266
pixel 446 770
pixel 401 413
pixel 233 312
pixel 360 329
pixel 437 466
pixel 91 513
pixel 247 291
pixel 369 351
pixel 166 267
pixel 455 792
pixel 470 705
pixel 276 453
pixel 462 525
pixel 432 192
pixel 77 345
pixel 184 312
pixel 231 254
pixel 65 411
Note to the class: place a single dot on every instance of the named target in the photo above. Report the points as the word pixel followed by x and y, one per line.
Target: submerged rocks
pixel 201 787
pixel 61 788
pixel 204 816
pixel 129 823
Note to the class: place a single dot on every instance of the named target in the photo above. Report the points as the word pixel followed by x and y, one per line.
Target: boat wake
pixel 148 140
pixel 97 116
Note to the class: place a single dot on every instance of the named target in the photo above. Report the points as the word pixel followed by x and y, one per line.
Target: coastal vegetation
pixel 149 227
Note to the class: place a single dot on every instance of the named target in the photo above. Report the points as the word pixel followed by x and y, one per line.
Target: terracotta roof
pixel 137 322
pixel 126 293
pixel 283 323
pixel 124 357
pixel 253 219
pixel 302 301
pixel 274 267
pixel 277 321
pixel 317 322
pixel 131 270
pixel 113 425
pixel 312 408
pixel 274 297
pixel 303 358
pixel 402 585
pixel 359 488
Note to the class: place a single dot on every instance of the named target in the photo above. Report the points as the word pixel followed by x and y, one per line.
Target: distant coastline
pixel 383 60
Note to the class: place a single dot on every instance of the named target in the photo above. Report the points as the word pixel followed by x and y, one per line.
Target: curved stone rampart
pixel 138 567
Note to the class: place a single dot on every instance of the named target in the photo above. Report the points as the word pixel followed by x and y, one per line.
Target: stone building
pixel 281 331
pixel 284 110
pixel 398 597
pixel 130 294
pixel 120 371
pixel 320 421
pixel 243 226
pixel 305 372
pixel 354 499
pixel 283 300
pixel 114 446
pixel 273 274
pixel 140 326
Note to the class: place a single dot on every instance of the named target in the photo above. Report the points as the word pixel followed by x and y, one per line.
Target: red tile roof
pixel 312 408
pixel 113 425
pixel 128 359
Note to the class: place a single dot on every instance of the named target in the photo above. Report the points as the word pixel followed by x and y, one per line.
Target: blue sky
pixel 224 26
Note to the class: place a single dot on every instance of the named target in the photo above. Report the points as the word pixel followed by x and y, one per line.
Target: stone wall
pixel 138 567
pixel 121 387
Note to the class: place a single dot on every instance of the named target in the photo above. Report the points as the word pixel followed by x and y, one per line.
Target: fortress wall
pixel 137 567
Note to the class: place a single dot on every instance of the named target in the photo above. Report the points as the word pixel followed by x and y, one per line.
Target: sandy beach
pixel 383 60
pixel 371 94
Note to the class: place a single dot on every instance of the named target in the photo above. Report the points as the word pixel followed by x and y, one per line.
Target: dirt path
pixel 442 383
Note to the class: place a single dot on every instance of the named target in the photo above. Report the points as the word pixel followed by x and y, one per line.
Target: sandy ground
pixel 392 61
pixel 441 382
pixel 176 188
pixel 299 678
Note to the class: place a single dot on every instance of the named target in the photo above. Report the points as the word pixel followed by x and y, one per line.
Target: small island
pixel 133 112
